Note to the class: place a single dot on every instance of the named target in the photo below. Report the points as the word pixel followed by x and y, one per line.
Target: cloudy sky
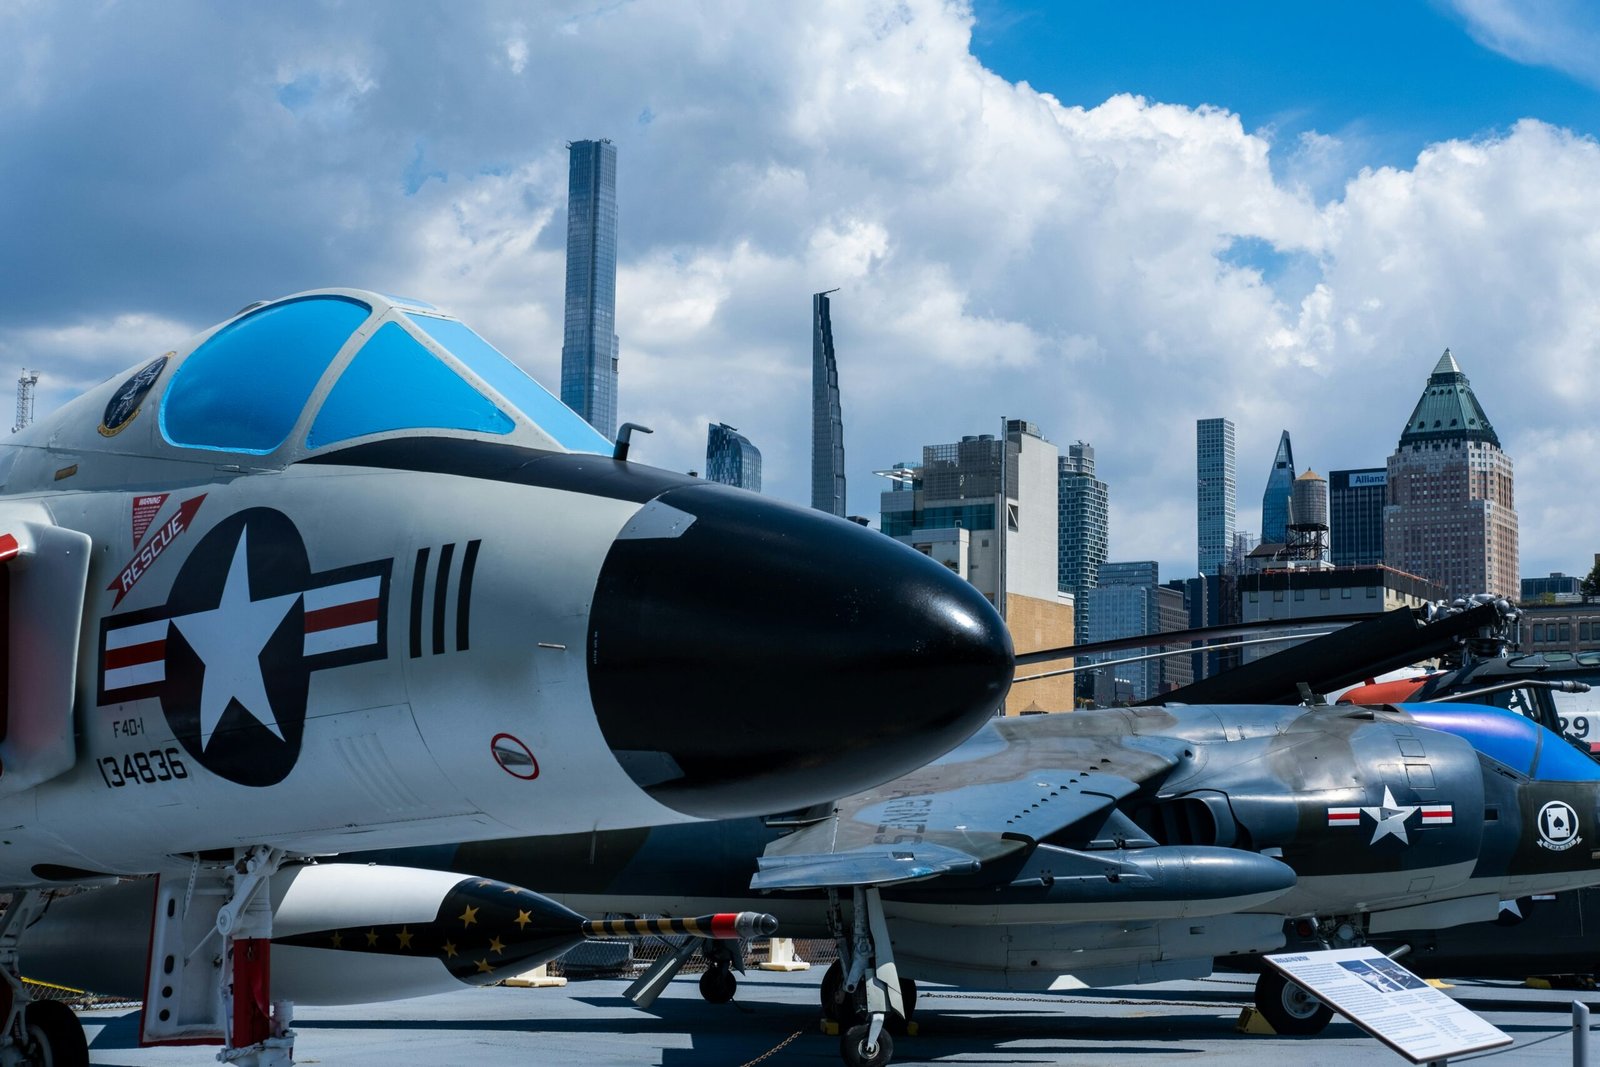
pixel 1109 219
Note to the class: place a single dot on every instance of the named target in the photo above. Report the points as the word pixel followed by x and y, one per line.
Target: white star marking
pixel 1391 819
pixel 229 639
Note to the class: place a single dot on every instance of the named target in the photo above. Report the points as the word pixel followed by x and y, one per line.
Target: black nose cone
pixel 748 656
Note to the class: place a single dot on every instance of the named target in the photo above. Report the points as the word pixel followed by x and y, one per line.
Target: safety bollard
pixel 1580 1034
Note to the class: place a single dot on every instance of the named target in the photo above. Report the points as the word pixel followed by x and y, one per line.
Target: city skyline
pixel 1279 237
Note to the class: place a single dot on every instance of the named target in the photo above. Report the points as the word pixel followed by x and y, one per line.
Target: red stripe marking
pixel 723 925
pixel 132 655
pixel 8 547
pixel 342 615
pixel 1435 812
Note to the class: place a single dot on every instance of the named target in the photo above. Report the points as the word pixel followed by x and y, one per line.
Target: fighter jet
pixel 337 574
pixel 1104 847
pixel 1114 846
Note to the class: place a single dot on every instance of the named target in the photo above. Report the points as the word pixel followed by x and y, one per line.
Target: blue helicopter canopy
pixel 1506 737
pixel 365 368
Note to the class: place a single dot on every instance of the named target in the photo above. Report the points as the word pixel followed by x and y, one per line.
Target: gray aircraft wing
pixel 1013 784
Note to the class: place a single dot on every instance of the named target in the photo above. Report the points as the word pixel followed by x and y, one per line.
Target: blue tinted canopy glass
pixel 243 389
pixel 510 381
pixel 394 383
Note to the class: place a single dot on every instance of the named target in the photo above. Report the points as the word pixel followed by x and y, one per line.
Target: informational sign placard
pixel 1389 1002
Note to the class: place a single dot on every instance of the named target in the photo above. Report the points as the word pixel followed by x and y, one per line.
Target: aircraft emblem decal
pixel 231 653
pixel 146 557
pixel 1558 826
pixel 1391 817
pixel 124 404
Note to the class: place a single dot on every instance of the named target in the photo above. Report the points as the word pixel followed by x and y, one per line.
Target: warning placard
pixel 1389 1002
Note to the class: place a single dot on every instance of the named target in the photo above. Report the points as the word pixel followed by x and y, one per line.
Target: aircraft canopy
pixel 347 369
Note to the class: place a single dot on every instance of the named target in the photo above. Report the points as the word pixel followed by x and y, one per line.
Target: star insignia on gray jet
pixel 1391 818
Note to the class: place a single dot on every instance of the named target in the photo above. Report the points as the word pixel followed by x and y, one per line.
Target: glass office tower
pixel 1215 491
pixel 731 459
pixel 1083 532
pixel 827 419
pixel 1356 499
pixel 1275 500
pixel 589 345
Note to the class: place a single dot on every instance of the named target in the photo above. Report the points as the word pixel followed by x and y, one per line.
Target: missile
pixel 348 934
pixel 724 926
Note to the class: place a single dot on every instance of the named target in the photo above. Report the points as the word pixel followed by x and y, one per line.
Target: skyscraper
pixel 1451 516
pixel 731 459
pixel 1215 491
pixel 1128 602
pixel 987 508
pixel 1275 501
pixel 827 419
pixel 1084 528
pixel 1355 516
pixel 589 345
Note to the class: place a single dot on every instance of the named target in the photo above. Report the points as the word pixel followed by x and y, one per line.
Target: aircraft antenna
pixel 25 386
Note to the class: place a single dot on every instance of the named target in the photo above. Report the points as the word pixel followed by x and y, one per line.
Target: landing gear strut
pixel 863 991
pixel 717 984
pixel 43 1033
pixel 210 965
pixel 847 1010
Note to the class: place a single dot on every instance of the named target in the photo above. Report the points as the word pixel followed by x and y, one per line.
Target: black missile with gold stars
pixel 486 931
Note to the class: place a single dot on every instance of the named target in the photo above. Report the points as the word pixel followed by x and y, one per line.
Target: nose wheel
pixel 857 1049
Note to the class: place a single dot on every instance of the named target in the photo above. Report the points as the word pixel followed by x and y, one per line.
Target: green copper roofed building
pixel 1451 516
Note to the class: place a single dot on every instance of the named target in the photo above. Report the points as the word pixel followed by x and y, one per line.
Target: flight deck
pixel 774 1020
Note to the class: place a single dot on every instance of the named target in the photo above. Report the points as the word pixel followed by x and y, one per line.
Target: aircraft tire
pixel 55 1036
pixel 717 985
pixel 853 1047
pixel 833 994
pixel 1291 1010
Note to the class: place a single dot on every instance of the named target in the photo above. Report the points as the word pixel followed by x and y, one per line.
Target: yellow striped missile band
pixel 722 926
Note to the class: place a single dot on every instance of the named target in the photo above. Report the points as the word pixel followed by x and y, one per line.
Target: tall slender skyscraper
pixel 1451 516
pixel 589 346
pixel 827 419
pixel 1083 531
pixel 1275 501
pixel 731 459
pixel 1216 497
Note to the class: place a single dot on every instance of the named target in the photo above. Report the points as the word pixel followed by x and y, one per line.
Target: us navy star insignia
pixel 1391 818
pixel 229 640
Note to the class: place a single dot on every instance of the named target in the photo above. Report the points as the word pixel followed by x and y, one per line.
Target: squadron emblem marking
pixel 1558 826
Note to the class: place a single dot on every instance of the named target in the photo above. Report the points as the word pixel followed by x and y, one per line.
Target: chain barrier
pixel 1007 998
pixel 774 1050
